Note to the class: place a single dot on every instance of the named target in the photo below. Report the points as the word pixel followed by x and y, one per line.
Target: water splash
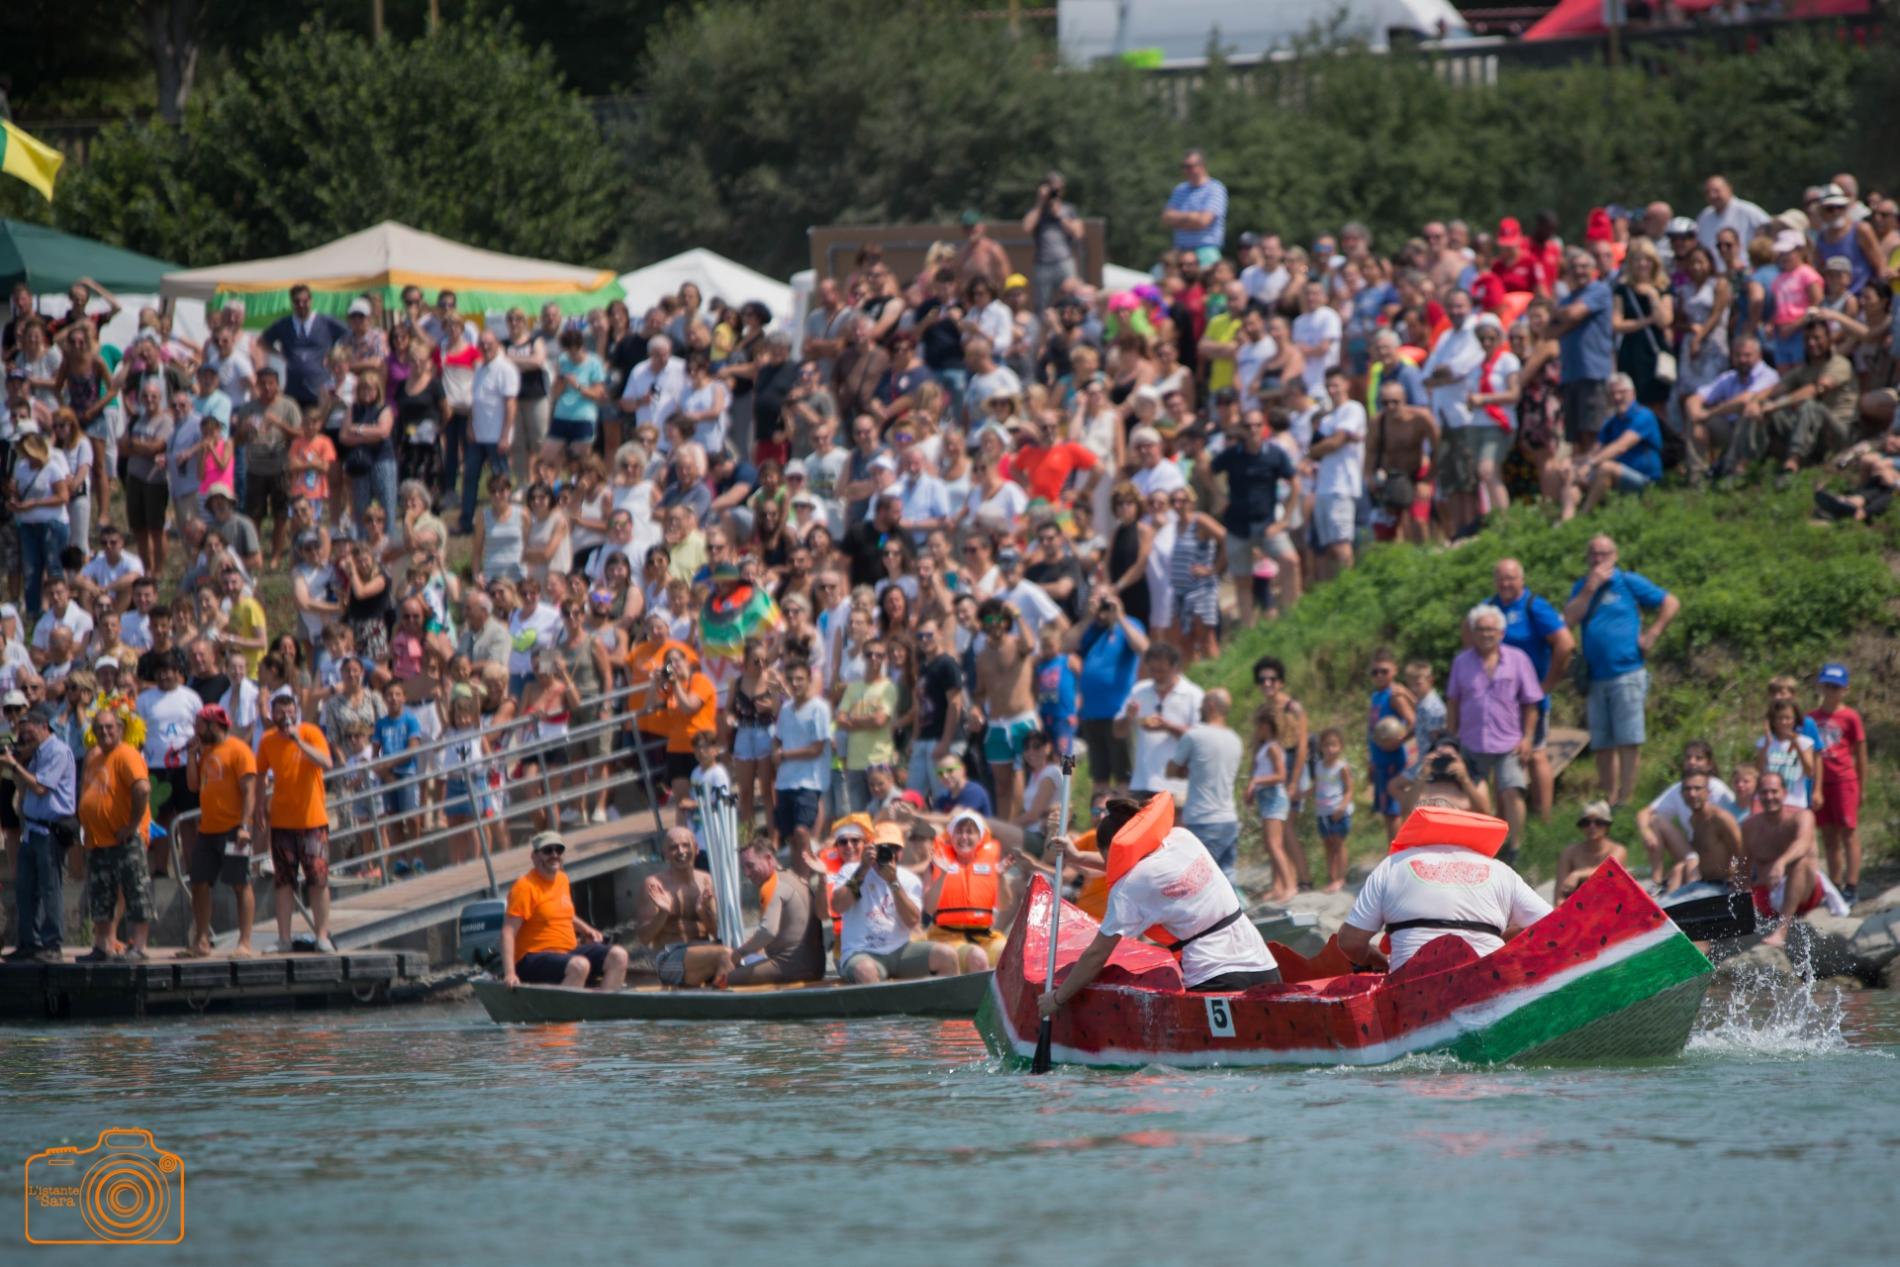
pixel 1760 1012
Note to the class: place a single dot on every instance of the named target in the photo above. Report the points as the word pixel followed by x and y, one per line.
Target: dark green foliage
pixel 468 135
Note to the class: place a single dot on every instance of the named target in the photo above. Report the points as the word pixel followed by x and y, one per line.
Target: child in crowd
pixel 1784 750
pixel 1743 782
pixel 679 611
pixel 1390 698
pixel 1843 761
pixel 355 773
pixel 1056 684
pixel 397 731
pixel 1268 792
pixel 217 468
pixel 1786 686
pixel 709 780
pixel 469 797
pixel 311 456
pixel 1429 714
pixel 1332 804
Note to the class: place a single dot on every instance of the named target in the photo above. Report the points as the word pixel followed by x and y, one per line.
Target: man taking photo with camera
pixel 883 906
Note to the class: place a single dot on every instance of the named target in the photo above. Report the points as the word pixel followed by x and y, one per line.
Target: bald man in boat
pixel 674 916
pixel 1163 882
pixel 1441 877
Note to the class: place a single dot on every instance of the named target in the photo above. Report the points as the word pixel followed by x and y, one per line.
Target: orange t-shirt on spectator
pixel 220 790
pixel 296 793
pixel 643 661
pixel 545 907
pixel 679 728
pixel 105 795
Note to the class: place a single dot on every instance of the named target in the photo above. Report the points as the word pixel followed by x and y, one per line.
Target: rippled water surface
pixel 431 1135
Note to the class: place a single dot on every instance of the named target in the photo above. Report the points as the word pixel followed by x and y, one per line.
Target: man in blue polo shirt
pixel 1197 209
pixel 1534 626
pixel 1586 348
pixel 1606 609
pixel 1111 644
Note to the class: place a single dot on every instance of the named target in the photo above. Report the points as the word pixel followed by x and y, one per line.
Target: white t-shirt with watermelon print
pixel 1443 882
pixel 1180 887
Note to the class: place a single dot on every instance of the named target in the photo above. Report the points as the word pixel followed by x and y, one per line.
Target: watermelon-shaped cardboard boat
pixel 1604 977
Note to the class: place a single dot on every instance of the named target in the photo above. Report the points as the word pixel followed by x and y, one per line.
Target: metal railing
pixel 360 811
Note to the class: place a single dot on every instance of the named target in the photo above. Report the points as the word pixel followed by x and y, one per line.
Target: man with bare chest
pixel 674 917
pixel 1784 873
pixel 1715 838
pixel 1006 689
pixel 1398 468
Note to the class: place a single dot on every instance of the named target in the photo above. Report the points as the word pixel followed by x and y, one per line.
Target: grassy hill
pixel 1763 592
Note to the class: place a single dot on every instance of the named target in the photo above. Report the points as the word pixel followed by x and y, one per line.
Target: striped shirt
pixel 1210 195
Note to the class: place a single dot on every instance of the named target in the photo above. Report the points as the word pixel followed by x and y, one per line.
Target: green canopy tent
pixel 49 261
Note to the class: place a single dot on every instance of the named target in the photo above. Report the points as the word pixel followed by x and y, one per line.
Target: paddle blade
pixel 1042 1063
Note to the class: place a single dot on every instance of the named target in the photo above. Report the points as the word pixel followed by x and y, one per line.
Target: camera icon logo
pixel 124 1190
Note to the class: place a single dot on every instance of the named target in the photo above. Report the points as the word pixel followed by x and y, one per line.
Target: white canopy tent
pixel 717 278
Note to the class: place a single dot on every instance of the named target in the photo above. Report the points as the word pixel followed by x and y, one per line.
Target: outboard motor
pixel 478 933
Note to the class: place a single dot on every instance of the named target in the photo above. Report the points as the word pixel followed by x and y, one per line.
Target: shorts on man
pixel 549 967
pixel 1586 408
pixel 1764 896
pixel 267 495
pixel 1335 519
pixel 1381 769
pixel 909 961
pixel 1510 772
pixel 795 807
pixel 180 798
pixel 217 858
pixel 1004 741
pixel 114 871
pixel 1616 710
pixel 670 963
pixel 305 849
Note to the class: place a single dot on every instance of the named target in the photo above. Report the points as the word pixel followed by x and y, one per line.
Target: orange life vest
pixel 967 900
pixel 1093 897
pixel 1438 825
pixel 1139 837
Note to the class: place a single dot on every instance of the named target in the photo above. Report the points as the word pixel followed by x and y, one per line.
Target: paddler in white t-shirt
pixel 1441 877
pixel 1164 883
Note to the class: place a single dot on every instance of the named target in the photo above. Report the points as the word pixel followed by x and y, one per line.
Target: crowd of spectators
pixel 960 522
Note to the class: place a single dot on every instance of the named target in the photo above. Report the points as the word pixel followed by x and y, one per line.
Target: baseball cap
pixel 13 699
pixel 888 833
pixel 359 307
pixel 1249 238
pixel 1832 674
pixel 1597 811
pixel 970 217
pixel 108 661
pixel 1510 232
pixel 206 367
pixel 883 462
pixel 1015 281
pixel 805 499
pixel 1788 240
pixel 545 839
pixel 1009 557
pixel 1681 226
pixel 216 713
pixel 1833 195
pixel 1839 264
pixel 795 467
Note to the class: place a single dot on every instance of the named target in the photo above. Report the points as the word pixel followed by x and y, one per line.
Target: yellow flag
pixel 33 161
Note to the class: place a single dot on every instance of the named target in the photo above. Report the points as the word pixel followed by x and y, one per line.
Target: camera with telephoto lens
pixel 1440 768
pixel 886 854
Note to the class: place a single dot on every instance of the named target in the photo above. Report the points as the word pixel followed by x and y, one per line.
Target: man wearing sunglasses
pixel 541 934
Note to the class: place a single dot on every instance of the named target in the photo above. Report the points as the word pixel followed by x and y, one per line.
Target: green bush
pixel 1762 590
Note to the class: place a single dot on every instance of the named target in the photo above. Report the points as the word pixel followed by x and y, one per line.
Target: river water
pixel 430 1135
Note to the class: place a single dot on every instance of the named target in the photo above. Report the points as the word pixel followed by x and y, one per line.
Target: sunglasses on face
pixel 552 851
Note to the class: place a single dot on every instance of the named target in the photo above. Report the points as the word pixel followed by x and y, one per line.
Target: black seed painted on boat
pixel 1552 945
pixel 1603 941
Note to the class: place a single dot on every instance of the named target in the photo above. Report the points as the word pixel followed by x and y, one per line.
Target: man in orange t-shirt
pixel 222 771
pixel 541 934
pixel 293 757
pixel 115 796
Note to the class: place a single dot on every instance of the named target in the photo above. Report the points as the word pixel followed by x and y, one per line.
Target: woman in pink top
pixel 1797 289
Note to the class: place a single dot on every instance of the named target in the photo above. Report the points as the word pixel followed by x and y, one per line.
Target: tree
pixel 174 35
pixel 324 133
pixel 760 120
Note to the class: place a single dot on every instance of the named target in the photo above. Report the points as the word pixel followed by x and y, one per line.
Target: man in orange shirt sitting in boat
pixel 1441 876
pixel 1162 882
pixel 964 890
pixel 541 933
